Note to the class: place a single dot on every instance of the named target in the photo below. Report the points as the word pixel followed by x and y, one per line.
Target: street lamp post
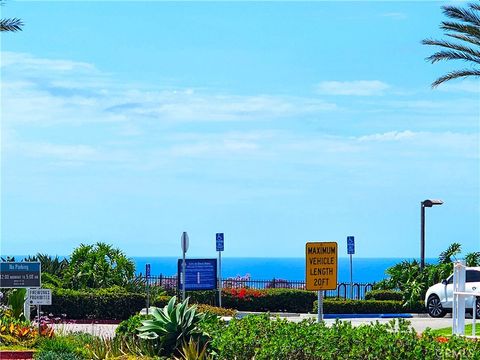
pixel 423 205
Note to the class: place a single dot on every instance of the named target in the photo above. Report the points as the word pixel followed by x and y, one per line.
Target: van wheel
pixel 477 308
pixel 434 307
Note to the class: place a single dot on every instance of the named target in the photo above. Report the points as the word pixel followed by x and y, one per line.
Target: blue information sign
pixel 201 274
pixel 219 241
pixel 350 245
pixel 147 270
pixel 20 275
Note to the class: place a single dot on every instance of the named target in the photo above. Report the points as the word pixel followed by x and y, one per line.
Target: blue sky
pixel 275 123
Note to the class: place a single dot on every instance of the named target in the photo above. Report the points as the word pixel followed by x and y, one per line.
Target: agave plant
pixel 193 351
pixel 173 325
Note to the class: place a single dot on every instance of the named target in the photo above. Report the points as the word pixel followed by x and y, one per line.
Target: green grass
pixel 448 330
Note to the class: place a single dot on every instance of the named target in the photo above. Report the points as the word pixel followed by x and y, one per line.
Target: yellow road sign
pixel 322 265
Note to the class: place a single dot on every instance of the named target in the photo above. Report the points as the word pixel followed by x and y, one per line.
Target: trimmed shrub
pixel 160 301
pixel 384 295
pixel 220 311
pixel 105 304
pixel 275 300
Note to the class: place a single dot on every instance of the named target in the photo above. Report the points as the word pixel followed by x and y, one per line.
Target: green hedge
pixel 105 305
pixel 384 295
pixel 118 304
pixel 274 300
pixel 340 306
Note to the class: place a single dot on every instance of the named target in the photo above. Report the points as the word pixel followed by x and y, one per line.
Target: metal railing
pixel 343 290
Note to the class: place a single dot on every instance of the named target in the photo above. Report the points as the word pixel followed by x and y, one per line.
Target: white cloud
pixel 354 88
pixel 49 92
pixel 395 15
pixel 424 143
pixel 175 106
pixel 27 62
pixel 388 136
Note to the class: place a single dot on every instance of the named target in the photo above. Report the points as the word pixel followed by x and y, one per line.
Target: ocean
pixel 365 270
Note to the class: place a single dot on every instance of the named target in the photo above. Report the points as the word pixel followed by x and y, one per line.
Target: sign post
pixel 39 297
pixel 321 269
pixel 147 276
pixel 220 247
pixel 184 251
pixel 351 251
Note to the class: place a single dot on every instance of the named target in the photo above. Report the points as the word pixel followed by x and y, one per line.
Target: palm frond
pixel 466 28
pixel 461 53
pixel 466 38
pixel 465 15
pixel 14 24
pixel 469 30
pixel 452 55
pixel 473 259
pixel 446 256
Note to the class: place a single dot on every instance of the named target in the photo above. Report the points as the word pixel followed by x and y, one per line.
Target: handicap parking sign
pixel 350 245
pixel 219 241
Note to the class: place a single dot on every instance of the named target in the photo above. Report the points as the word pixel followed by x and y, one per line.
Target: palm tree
pixel 14 24
pixel 466 28
pixel 446 256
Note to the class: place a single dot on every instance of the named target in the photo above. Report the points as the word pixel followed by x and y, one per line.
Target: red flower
pixel 242 293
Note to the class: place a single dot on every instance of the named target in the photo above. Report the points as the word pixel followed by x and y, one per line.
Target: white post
pixel 320 306
pixel 474 315
pixel 220 278
pixel 458 315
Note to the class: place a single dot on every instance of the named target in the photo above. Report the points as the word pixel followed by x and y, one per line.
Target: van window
pixel 473 276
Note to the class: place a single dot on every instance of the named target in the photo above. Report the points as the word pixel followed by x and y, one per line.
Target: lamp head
pixel 431 202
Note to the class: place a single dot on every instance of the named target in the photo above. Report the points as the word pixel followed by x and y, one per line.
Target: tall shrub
pixel 98 266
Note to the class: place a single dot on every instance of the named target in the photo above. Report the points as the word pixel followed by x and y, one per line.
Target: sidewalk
pixel 420 322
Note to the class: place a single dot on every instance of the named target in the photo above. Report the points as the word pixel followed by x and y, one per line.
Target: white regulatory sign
pixel 40 296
